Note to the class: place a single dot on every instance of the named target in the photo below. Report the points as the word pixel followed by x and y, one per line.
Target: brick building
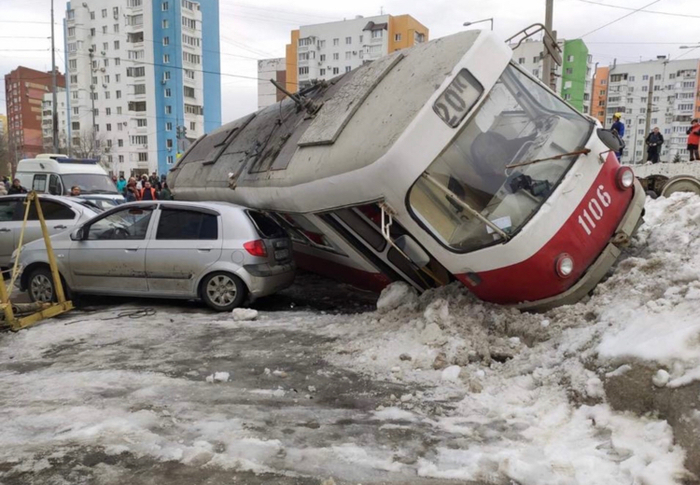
pixel 24 93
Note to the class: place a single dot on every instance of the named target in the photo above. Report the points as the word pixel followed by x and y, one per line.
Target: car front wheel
pixel 40 287
pixel 223 291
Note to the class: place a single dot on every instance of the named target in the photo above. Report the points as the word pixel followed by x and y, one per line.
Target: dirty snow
pixel 428 387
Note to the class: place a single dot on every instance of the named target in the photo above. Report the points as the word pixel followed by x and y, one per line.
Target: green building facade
pixel 574 72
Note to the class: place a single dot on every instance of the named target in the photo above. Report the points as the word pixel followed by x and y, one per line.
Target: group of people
pixel 143 188
pixel 655 139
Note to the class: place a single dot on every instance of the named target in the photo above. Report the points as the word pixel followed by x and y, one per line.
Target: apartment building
pixel 572 77
pixel 24 94
pixel 323 51
pixel 143 79
pixel 47 121
pixel 670 87
pixel 271 69
pixel 3 125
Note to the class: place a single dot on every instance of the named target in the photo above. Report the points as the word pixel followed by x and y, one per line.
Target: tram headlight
pixel 564 265
pixel 625 178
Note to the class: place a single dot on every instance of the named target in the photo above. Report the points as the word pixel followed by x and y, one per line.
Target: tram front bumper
pixel 628 226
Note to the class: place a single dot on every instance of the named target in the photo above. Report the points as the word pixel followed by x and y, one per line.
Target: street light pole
pixel 547 60
pixel 467 24
pixel 54 113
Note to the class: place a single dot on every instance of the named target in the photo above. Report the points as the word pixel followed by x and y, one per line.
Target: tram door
pixel 360 226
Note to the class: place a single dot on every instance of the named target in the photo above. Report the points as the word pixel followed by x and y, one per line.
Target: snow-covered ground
pixel 438 388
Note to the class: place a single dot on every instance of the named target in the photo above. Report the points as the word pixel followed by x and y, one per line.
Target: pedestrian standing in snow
pixel 654 142
pixel 618 127
pixel 693 139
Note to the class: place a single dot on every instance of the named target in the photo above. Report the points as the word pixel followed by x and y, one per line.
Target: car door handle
pixel 4 229
pixel 204 249
pixel 60 226
pixel 132 250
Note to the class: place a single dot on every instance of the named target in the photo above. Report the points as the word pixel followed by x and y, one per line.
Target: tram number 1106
pixel 458 99
pixel 595 210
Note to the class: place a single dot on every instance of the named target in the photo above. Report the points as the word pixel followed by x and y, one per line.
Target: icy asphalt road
pixel 94 399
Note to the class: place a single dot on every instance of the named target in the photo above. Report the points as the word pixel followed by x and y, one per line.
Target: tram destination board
pixel 458 98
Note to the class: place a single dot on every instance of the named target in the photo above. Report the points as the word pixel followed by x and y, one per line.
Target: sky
pixel 257 30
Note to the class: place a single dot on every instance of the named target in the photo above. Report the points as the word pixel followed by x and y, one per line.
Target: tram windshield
pixel 481 189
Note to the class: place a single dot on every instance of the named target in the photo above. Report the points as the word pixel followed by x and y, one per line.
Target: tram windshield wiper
pixel 456 201
pixel 582 151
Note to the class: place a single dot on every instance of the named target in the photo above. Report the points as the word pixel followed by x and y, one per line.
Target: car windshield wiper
pixel 582 151
pixel 454 200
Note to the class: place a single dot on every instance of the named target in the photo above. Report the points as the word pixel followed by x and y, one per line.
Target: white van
pixel 55 174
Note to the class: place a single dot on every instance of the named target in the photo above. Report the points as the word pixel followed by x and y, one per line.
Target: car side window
pixel 53 211
pixel 131 224
pixel 39 183
pixel 54 185
pixel 179 224
pixel 7 210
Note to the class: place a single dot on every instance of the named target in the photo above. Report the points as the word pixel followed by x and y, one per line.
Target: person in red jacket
pixel 693 139
pixel 148 192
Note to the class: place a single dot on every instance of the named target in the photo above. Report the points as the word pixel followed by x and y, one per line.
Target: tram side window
pixel 313 234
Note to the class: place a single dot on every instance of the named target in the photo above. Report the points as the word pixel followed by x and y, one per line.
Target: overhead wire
pixel 619 18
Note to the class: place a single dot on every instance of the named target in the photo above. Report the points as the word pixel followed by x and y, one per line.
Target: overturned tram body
pixel 440 163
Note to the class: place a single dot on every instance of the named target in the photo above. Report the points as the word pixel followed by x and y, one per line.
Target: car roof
pixel 220 206
pixel 65 200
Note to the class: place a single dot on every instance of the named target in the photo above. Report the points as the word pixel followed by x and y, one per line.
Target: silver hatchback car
pixel 216 252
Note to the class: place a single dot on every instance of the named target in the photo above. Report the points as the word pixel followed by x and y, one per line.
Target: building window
pixel 92 15
pixel 189 92
pixel 169 144
pixel 348 68
pixel 166 58
pixel 321 44
pixel 117 61
pixel 336 41
pixel 109 126
pixel 170 159
pixel 166 40
pixel 348 55
pixel 104 29
pixel 118 94
pixel 164 6
pixel 193 125
pixel 119 110
pixel 104 13
pixel 143 156
pixel 336 56
pixel 336 70
pixel 521 60
pixel 107 95
pixel 322 72
pixel 116 28
pixel 116 45
pixel 303 70
pixel 141 122
pixel 169 126
pixel 166 75
pixel 322 58
pixel 139 89
pixel 570 58
pixel 348 40
pixel 168 92
pixel 165 23
pixel 569 71
pixel 377 34
pixel 397 37
pixel 168 110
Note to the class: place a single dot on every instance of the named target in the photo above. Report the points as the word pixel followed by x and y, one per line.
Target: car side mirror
pixel 412 249
pixel 611 139
pixel 78 234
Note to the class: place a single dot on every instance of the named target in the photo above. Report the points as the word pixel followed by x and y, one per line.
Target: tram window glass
pixel 519 121
pixel 313 234
pixel 365 229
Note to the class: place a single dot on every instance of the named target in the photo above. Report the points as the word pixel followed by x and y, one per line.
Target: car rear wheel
pixel 223 291
pixel 40 286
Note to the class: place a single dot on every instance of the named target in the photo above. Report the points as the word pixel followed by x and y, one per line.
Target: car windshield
pixel 473 195
pixel 89 183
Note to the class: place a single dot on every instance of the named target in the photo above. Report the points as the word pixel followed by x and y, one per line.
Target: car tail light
pixel 564 265
pixel 256 248
pixel 624 178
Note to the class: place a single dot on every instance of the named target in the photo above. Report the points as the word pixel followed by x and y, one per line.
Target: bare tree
pixel 89 144
pixel 5 156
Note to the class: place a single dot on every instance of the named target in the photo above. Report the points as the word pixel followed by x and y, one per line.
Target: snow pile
pixel 218 377
pixel 531 386
pixel 244 314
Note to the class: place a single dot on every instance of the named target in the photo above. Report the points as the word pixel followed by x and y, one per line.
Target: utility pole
pixel 547 77
pixel 647 122
pixel 54 115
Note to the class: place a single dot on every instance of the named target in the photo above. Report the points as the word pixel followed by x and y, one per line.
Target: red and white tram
pixel 439 163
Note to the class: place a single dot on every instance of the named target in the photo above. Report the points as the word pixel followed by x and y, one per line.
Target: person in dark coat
pixel 17 188
pixel 693 140
pixel 148 192
pixel 654 142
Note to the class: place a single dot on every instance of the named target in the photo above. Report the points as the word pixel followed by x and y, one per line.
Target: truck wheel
pixel 681 183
